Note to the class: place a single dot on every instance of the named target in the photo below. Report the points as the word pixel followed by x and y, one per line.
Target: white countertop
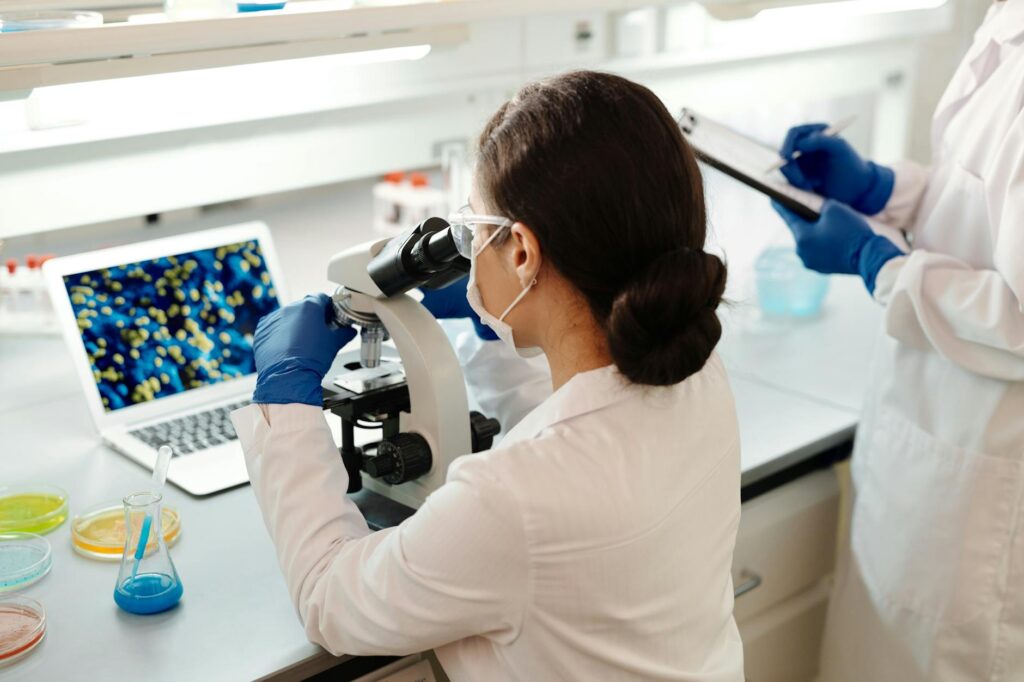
pixel 799 385
pixel 797 390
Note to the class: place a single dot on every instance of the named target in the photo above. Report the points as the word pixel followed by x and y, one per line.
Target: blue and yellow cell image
pixel 160 327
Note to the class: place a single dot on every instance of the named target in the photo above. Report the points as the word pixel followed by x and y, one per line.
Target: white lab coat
pixel 594 543
pixel 933 588
pixel 523 385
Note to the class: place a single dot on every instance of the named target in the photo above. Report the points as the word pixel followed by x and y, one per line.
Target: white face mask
pixel 498 324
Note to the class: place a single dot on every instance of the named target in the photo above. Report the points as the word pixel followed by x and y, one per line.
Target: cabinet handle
pixel 751 581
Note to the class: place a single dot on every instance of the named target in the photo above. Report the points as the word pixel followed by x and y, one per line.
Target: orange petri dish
pixel 99 532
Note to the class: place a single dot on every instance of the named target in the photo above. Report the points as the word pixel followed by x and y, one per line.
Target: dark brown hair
pixel 596 166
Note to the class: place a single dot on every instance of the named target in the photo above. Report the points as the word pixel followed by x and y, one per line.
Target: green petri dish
pixel 32 508
pixel 99 532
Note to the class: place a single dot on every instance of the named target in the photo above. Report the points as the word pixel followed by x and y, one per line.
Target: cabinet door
pixel 782 644
pixel 786 542
pixel 785 554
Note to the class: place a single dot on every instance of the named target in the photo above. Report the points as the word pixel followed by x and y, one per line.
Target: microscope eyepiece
pixel 434 251
pixel 427 255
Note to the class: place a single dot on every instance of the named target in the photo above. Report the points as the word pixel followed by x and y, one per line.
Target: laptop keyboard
pixel 193 432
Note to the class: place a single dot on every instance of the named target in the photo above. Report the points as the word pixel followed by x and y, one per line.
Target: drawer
pixel 786 542
pixel 782 643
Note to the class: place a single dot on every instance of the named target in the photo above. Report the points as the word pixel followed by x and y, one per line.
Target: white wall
pixel 762 92
pixel 166 142
pixel 307 227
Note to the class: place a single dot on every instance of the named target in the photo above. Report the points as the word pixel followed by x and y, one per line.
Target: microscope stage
pixel 367 379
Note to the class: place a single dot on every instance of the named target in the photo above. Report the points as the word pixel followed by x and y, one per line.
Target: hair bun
pixel 662 326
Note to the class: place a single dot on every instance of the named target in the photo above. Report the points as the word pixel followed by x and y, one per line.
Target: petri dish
pixel 99 533
pixel 24 559
pixel 22 626
pixel 32 508
pixel 37 20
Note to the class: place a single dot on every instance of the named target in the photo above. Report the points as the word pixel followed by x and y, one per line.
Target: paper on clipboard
pixel 746 160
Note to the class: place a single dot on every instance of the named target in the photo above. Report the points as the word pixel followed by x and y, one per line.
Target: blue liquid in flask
pixel 148 593
pixel 148 582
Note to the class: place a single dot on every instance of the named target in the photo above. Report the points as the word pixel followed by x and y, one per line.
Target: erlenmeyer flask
pixel 147 581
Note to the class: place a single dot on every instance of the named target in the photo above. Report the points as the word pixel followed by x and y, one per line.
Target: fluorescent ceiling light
pixel 390 54
pixel 846 8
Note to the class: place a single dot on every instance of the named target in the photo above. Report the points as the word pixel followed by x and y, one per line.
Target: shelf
pixel 304 29
pixel 98 5
pixel 116 50
pixel 26 77
pixel 150 45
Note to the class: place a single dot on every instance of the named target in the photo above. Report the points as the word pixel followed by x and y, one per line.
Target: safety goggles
pixel 464 225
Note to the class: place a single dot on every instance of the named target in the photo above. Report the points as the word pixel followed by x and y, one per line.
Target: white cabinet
pixel 785 553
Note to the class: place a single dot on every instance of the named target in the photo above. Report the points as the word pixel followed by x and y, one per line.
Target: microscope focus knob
pixel 401 459
pixel 482 431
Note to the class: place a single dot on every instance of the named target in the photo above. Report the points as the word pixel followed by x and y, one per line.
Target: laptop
pixel 161 336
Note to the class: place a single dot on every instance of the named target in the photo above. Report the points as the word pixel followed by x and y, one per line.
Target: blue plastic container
pixel 785 288
pixel 260 6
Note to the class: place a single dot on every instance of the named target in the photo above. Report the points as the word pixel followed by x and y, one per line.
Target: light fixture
pixel 845 9
pixel 390 54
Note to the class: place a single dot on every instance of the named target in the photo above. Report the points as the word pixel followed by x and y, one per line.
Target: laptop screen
pixel 160 327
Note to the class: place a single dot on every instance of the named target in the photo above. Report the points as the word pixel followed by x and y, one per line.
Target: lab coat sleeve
pixel 971 316
pixel 456 568
pixel 504 385
pixel 901 209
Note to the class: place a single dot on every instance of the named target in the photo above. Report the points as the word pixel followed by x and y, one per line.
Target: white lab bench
pixel 797 393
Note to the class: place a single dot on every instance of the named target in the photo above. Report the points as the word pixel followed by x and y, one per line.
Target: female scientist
pixel 596 541
pixel 933 588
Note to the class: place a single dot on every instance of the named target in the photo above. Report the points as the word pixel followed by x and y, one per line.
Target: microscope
pixel 417 405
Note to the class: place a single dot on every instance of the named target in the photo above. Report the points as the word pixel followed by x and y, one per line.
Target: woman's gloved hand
pixel 451 303
pixel 294 347
pixel 831 167
pixel 839 242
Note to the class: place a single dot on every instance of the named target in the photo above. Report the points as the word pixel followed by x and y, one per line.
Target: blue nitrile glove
pixel 451 303
pixel 832 168
pixel 294 348
pixel 839 242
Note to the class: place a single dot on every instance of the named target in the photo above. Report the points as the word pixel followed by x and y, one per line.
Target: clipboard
pixel 746 160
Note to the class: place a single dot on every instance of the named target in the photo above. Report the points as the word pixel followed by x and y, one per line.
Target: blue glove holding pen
pixel 451 303
pixel 839 242
pixel 294 347
pixel 831 167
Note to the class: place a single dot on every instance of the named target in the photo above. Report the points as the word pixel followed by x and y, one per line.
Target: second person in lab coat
pixel 596 541
pixel 932 586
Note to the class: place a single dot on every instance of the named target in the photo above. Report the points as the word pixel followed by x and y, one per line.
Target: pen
pixel 831 131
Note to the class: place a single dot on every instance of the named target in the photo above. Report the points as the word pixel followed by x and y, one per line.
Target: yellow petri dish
pixel 32 508
pixel 99 532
